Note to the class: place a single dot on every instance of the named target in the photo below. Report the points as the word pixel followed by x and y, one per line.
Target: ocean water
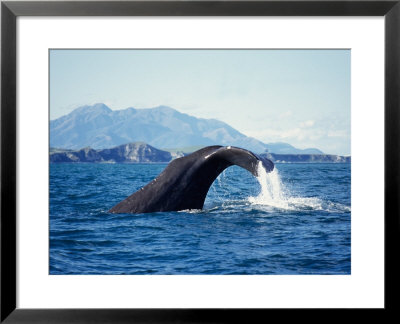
pixel 295 220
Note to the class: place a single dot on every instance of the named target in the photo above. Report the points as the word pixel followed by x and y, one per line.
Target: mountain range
pixel 99 127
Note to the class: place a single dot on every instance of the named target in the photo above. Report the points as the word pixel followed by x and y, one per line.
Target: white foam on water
pixel 271 193
pixel 274 194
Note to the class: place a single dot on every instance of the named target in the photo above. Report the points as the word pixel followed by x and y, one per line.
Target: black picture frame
pixel 10 10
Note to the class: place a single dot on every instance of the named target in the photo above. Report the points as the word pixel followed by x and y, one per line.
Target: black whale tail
pixel 184 183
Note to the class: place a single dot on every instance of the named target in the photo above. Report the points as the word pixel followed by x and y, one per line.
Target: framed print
pixel 188 161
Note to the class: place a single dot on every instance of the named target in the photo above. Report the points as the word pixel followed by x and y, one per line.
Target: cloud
pixel 308 123
pixel 337 133
pixel 304 131
pixel 286 114
pixel 330 137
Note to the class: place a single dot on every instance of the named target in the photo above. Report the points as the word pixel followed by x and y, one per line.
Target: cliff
pixel 127 153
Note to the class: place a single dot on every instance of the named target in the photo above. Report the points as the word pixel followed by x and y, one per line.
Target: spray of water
pixel 272 191
pixel 274 194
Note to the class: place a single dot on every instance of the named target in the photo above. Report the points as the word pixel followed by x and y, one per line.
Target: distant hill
pixel 144 153
pixel 285 148
pixel 100 127
pixel 186 149
pixel 307 158
pixel 132 152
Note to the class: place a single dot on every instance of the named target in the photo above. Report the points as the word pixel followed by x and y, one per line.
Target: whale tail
pixel 184 183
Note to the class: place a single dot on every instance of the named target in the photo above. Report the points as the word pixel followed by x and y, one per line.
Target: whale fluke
pixel 184 183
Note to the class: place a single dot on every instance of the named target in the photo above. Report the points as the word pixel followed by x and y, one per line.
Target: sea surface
pixel 295 220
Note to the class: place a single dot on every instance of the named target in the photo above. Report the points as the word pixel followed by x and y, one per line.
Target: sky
pixel 301 97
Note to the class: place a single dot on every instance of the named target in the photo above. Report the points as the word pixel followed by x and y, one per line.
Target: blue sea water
pixel 295 220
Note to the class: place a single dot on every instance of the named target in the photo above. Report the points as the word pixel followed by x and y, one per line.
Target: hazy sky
pixel 301 97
